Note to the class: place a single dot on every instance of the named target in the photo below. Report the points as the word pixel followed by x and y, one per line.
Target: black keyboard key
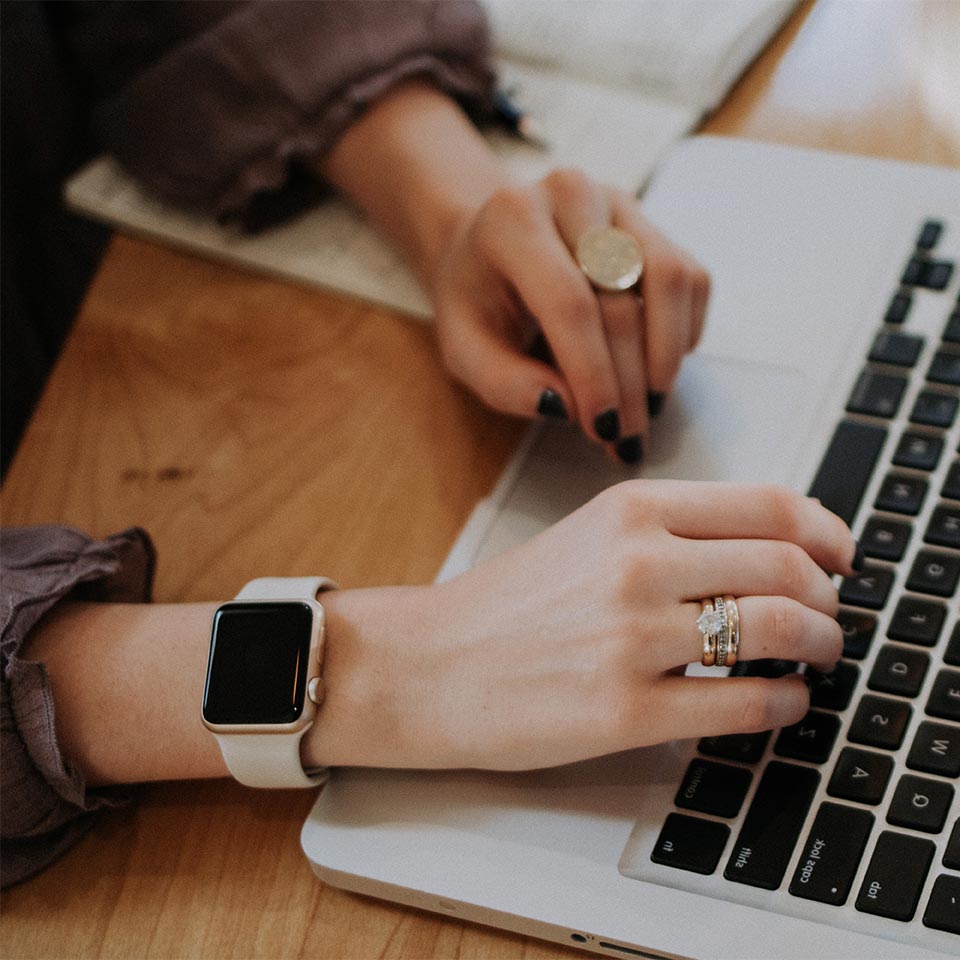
pixel 924 272
pixel 920 804
pixel 858 630
pixel 944 527
pixel 880 722
pixel 899 670
pixel 951 332
pixel 944 699
pixel 869 588
pixel 951 486
pixel 936 749
pixel 951 856
pixel 945 368
pixel 885 539
pixel 811 739
pixel 893 881
pixel 900 349
pixel 833 691
pixel 952 655
pixel 943 907
pixel 847 466
pixel 832 853
pixel 934 409
pixel 901 493
pixel 899 307
pixel 917 621
pixel 860 775
pixel 919 451
pixel 715 788
pixel 772 825
pixel 935 573
pixel 745 747
pixel 929 234
pixel 877 394
pixel 689 843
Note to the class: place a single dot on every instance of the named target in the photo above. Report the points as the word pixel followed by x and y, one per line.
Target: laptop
pixel 830 362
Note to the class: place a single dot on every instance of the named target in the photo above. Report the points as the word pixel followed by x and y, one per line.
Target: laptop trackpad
pixel 727 419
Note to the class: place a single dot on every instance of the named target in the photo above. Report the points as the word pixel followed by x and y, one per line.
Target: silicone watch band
pixel 271 759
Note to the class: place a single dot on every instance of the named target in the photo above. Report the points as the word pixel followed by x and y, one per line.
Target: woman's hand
pixel 508 274
pixel 574 644
pixel 496 260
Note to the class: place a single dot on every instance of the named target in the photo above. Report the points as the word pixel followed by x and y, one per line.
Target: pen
pixel 518 122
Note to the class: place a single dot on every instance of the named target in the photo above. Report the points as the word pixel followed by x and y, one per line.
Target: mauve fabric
pixel 46 807
pixel 213 105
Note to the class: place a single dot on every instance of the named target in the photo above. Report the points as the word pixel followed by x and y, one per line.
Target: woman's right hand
pixel 574 644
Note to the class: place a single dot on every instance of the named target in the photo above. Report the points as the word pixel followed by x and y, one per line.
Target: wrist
pixel 418 167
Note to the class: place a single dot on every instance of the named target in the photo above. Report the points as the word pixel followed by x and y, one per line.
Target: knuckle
pixel 793 565
pixel 756 710
pixel 512 203
pixel 672 274
pixel 786 507
pixel 786 626
pixel 567 184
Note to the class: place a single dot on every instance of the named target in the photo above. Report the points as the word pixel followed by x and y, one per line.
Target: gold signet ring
pixel 610 258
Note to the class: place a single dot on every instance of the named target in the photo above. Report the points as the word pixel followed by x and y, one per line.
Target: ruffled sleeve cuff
pixel 46 806
pixel 224 118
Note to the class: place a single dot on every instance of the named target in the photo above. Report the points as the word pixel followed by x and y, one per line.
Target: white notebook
pixel 613 83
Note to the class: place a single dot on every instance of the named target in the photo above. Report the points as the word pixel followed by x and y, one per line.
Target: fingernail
pixel 551 405
pixel 630 449
pixel 607 425
pixel 655 402
pixel 858 558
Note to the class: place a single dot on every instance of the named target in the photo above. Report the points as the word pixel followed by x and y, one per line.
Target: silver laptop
pixel 831 362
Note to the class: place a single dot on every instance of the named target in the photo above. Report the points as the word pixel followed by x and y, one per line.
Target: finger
pixel 744 568
pixel 623 323
pixel 667 289
pixel 697 509
pixel 770 627
pixel 580 206
pixel 714 706
pixel 500 373
pixel 554 290
pixel 701 297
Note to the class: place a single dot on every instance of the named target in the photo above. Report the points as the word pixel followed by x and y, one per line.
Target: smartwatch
pixel 264 682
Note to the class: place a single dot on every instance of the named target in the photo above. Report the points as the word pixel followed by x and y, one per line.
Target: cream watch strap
pixel 270 759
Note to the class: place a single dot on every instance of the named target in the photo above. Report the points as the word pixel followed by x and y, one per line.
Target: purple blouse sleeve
pixel 46 806
pixel 239 93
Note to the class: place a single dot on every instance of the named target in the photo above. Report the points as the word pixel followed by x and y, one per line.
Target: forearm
pixel 416 165
pixel 127 681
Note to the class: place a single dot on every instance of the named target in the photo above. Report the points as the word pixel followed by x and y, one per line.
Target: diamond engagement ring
pixel 610 258
pixel 710 623
pixel 719 623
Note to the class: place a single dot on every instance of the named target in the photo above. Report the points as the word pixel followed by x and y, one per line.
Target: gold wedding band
pixel 708 623
pixel 610 258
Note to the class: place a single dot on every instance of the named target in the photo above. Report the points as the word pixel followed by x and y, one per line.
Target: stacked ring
pixel 719 623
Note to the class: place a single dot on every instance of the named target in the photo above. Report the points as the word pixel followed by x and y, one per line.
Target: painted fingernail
pixel 630 449
pixel 551 405
pixel 858 558
pixel 655 402
pixel 607 425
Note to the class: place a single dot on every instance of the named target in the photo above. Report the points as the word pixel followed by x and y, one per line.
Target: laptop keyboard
pixel 851 816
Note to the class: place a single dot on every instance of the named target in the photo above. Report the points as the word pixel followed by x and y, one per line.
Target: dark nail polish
pixel 607 425
pixel 551 405
pixel 858 559
pixel 655 402
pixel 630 449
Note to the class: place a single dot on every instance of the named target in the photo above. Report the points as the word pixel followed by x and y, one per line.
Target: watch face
pixel 257 672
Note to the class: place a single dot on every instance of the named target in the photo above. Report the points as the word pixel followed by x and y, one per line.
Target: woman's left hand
pixel 509 273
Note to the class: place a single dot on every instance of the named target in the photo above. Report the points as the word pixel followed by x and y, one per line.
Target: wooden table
pixel 256 427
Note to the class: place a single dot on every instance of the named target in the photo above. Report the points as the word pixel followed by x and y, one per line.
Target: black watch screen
pixel 257 671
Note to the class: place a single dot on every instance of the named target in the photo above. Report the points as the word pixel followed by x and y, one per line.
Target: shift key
pixel 772 825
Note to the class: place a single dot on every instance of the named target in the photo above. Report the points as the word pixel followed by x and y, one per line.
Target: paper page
pixel 685 51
